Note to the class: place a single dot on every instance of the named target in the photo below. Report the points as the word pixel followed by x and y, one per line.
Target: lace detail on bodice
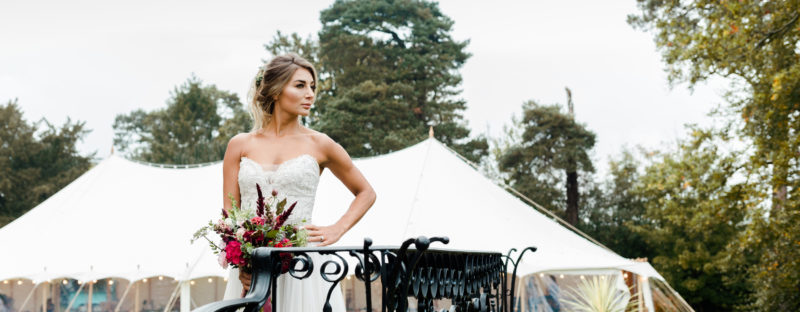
pixel 296 179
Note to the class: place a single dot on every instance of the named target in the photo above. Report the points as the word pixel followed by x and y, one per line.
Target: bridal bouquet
pixel 243 231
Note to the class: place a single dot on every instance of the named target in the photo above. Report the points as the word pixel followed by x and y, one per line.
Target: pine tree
pixel 388 71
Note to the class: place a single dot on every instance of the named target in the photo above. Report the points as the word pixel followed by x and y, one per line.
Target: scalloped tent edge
pixel 134 220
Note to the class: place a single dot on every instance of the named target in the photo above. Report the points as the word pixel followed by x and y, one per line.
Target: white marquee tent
pixel 130 220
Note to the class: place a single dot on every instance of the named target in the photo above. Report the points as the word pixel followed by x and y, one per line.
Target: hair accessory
pixel 260 76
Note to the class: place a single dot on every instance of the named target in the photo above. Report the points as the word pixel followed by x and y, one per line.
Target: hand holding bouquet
pixel 243 231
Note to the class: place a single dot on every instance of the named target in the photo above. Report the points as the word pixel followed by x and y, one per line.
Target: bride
pixel 280 154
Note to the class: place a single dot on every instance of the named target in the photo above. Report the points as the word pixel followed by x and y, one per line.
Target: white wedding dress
pixel 297 180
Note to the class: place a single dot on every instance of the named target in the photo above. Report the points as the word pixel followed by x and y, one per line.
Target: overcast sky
pixel 93 60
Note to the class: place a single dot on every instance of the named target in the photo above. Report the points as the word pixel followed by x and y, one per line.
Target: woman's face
pixel 298 95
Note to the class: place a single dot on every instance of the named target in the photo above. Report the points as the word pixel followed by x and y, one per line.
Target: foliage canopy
pixel 36 160
pixel 194 127
pixel 398 77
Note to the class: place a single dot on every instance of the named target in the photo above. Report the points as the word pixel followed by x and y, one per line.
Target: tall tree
pixel 388 71
pixel 613 208
pixel 552 144
pixel 194 127
pixel 571 169
pixel 754 43
pixel 695 207
pixel 35 161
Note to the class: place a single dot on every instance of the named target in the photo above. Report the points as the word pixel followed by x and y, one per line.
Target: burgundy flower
pixel 274 192
pixel 282 218
pixel 258 238
pixel 247 236
pixel 224 213
pixel 259 202
pixel 286 259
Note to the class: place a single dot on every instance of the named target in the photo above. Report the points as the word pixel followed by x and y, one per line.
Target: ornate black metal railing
pixel 472 280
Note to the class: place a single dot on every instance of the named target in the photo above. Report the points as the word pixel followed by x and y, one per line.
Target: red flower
pixel 257 221
pixel 233 253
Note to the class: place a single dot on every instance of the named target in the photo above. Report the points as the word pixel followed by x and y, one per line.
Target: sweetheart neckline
pixel 279 165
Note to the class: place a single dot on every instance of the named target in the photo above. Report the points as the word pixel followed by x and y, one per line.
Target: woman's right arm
pixel 230 170
pixel 230 185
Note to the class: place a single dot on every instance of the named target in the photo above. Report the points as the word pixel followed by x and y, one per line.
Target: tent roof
pixel 120 219
pixel 132 220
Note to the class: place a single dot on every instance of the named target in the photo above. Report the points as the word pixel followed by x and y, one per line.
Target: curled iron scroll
pixel 306 266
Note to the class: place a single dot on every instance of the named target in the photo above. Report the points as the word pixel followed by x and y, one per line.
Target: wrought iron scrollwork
pixel 472 280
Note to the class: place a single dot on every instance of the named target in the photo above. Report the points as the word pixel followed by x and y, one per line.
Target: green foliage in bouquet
pixel 242 231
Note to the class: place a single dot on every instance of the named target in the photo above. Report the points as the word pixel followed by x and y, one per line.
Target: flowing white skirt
pixel 307 295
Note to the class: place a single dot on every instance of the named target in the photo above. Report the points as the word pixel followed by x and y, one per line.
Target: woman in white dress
pixel 281 154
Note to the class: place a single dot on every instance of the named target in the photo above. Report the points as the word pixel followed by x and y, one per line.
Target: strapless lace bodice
pixel 296 179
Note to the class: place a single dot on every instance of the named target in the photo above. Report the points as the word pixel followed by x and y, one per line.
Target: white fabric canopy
pixel 130 220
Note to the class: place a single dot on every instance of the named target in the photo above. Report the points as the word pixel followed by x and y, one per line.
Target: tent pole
pixel 186 297
pixel 24 303
pixel 57 296
pixel 74 297
pixel 44 297
pixel 137 302
pixel 344 292
pixel 124 295
pixel 90 302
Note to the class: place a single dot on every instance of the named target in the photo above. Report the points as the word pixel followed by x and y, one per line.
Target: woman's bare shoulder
pixel 321 140
pixel 239 141
pixel 240 138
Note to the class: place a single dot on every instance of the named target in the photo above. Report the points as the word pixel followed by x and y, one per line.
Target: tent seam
pixel 416 190
pixel 525 198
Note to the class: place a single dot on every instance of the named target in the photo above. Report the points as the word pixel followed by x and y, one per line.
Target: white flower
pixel 229 223
pixel 222 261
pixel 240 233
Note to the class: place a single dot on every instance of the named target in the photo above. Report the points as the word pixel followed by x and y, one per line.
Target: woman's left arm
pixel 340 164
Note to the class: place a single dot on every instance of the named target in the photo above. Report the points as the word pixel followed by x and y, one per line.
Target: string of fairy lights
pixel 110 281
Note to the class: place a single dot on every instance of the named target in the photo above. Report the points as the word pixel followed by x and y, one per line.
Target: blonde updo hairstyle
pixel 269 82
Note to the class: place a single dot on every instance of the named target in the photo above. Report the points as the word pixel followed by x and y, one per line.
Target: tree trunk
pixel 572 198
pixel 779 178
